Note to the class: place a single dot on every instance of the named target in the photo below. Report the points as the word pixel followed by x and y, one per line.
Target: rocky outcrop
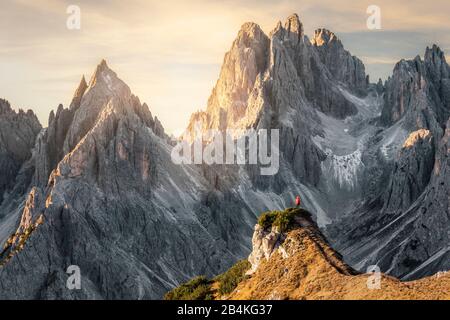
pixel 267 240
pixel 425 225
pixel 299 264
pixel 264 243
pixel 305 266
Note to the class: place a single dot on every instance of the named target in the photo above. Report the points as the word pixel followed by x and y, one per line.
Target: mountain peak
pixel 88 102
pixel 434 53
pixel 4 106
pixel 83 85
pixel 83 80
pixel 250 31
pixel 250 27
pixel 79 92
pixel 292 29
pixel 293 24
pixel 323 37
pixel 102 73
pixel 103 64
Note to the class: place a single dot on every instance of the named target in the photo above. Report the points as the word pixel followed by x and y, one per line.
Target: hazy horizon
pixel 170 52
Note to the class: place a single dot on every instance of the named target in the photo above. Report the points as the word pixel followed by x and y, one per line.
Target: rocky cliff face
pixel 342 65
pixel 267 240
pixel 18 131
pixel 418 91
pixel 411 173
pixel 405 230
pixel 289 88
pixel 403 225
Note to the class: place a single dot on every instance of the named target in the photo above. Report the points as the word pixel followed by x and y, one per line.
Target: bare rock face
pixel 18 132
pixel 413 242
pixel 50 145
pixel 403 227
pixel 278 82
pixel 402 90
pixel 411 173
pixel 430 225
pixel 103 85
pixel 269 239
pixel 342 65
pixel 439 74
pixel 319 84
pixel 76 100
pixel 264 243
pixel 246 60
pixel 257 68
pixel 419 89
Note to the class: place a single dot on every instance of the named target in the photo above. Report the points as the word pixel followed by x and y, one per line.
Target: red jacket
pixel 297 201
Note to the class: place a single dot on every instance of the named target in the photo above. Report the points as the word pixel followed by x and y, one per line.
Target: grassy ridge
pixel 202 288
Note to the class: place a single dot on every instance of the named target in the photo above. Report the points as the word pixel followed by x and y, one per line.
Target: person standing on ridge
pixel 297 201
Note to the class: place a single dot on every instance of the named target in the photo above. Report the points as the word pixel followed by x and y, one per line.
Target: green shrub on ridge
pixel 198 288
pixel 230 279
pixel 281 219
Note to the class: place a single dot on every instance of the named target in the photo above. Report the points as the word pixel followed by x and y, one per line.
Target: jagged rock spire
pixel 293 25
pixel 437 65
pixel 246 59
pixel 292 29
pixel 100 72
pixel 75 104
pixel 323 37
pixel 434 53
pixel 4 106
pixel 343 66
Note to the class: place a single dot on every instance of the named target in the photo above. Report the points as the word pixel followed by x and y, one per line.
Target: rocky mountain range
pixel 97 188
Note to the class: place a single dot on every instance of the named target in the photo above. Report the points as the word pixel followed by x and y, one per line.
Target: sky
pixel 170 52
